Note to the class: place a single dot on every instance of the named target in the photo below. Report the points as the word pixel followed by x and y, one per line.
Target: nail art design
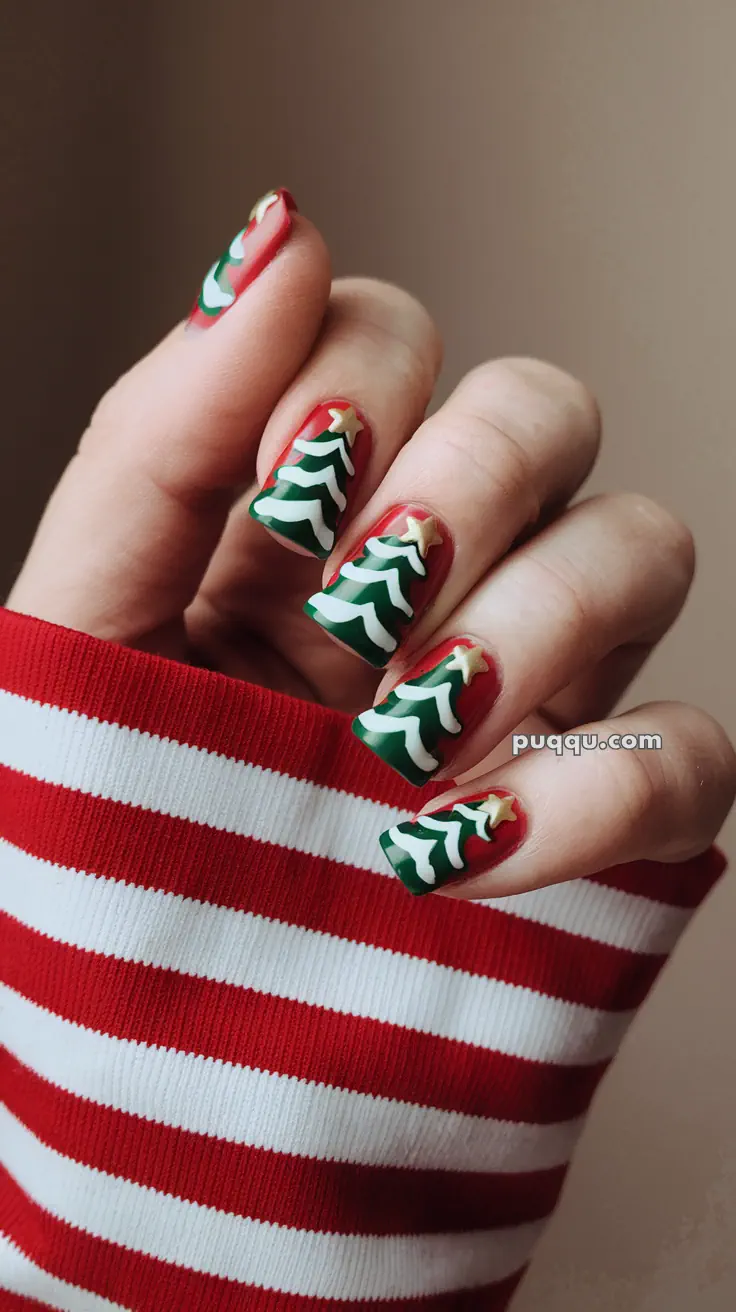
pixel 410 728
pixel 305 496
pixel 375 595
pixel 473 835
pixel 251 249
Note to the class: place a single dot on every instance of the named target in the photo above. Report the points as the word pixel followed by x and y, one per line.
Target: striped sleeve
pixel 240 1066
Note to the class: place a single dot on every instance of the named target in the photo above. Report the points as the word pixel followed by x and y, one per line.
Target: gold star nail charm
pixel 423 532
pixel 262 206
pixel 469 660
pixel 498 809
pixel 347 422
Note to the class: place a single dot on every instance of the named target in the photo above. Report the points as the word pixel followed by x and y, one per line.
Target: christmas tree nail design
pixel 369 603
pixel 471 836
pixel 410 728
pixel 306 495
pixel 250 250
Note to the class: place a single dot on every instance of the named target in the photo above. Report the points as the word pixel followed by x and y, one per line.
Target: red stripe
pixel 17 1302
pixel 162 1008
pixel 50 664
pixel 121 842
pixel 277 1187
pixel 681 884
pixel 146 1284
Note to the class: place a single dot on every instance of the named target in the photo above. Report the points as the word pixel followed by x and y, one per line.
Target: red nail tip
pixel 268 226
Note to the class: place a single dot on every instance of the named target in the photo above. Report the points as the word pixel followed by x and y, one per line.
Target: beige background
pixel 550 176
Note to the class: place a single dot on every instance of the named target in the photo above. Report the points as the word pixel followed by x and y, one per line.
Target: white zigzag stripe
pixel 314 448
pixel 291 512
pixel 480 818
pixel 303 478
pixel 338 611
pixel 419 849
pixel 236 251
pixel 391 577
pixel 410 726
pixel 214 296
pixel 411 692
pixel 452 830
pixel 380 548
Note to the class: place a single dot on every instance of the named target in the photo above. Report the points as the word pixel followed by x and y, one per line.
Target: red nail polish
pixel 383 586
pixel 465 838
pixel 416 728
pixel 268 226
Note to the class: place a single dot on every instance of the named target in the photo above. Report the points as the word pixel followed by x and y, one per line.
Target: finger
pixel 545 818
pixel 372 374
pixel 375 364
pixel 608 572
pixel 515 438
pixel 131 526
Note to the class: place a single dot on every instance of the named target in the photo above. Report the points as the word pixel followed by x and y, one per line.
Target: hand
pixel 454 565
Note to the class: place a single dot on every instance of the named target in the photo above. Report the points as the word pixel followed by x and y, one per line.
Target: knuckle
pixel 674 537
pixel 489 456
pixel 569 602
pixel 529 394
pixel 381 311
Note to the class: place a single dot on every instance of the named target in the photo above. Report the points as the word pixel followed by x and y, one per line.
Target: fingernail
pixel 268 226
pixel 382 588
pixel 420 721
pixel 468 838
pixel 306 494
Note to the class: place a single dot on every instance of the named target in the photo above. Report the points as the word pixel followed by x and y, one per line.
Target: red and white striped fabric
pixel 242 1068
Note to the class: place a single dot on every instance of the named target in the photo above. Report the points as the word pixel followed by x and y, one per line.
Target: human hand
pixel 463 569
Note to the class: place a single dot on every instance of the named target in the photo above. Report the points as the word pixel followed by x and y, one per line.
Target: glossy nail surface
pixel 417 726
pixel 378 593
pixel 251 249
pixel 306 495
pixel 472 836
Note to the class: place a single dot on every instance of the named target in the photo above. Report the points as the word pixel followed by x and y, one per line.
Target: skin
pixel 147 541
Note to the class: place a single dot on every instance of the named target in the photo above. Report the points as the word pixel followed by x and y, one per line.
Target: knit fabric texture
pixel 242 1069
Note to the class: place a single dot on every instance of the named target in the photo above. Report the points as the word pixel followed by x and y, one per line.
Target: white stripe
pixel 410 726
pixel 338 611
pixel 478 818
pixel 319 449
pixel 20 1275
pixel 264 1109
pixel 413 692
pixel 249 951
pixel 214 296
pixel 236 251
pixel 139 769
pixel 419 849
pixel 304 478
pixel 391 577
pixel 304 1263
pixel 293 512
pixel 452 830
pixel 381 548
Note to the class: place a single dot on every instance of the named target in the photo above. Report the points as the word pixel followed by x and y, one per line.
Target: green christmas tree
pixel 406 729
pixel 430 851
pixel 368 604
pixel 308 498
pixel 217 292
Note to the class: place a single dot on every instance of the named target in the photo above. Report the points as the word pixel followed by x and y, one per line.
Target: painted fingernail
pixel 251 249
pixel 471 836
pixel 422 718
pixel 306 494
pixel 382 588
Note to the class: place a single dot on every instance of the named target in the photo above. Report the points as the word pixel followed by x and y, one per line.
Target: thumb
pixel 131 526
